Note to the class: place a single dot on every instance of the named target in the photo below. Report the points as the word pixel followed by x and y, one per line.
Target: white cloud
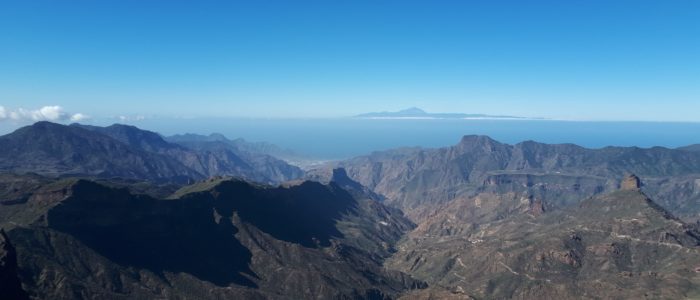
pixel 79 117
pixel 52 113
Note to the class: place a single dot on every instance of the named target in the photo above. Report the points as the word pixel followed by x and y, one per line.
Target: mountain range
pixel 128 152
pixel 119 212
pixel 240 144
pixel 420 181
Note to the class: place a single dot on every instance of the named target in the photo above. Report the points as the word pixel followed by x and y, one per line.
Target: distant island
pixel 417 113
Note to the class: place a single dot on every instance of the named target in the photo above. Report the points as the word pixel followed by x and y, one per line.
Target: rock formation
pixel 631 182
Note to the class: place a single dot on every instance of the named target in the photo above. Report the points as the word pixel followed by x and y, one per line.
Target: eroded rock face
pixel 631 182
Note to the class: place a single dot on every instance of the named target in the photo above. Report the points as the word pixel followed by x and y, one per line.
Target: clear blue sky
pixel 592 60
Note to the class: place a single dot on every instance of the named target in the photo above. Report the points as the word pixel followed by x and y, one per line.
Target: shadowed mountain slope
pixel 220 237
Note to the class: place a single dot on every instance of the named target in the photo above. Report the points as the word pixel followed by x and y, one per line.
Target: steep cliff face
pixel 222 237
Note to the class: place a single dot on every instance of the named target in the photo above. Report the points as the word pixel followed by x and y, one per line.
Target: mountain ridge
pixel 417 180
pixel 53 149
pixel 129 152
pixel 230 238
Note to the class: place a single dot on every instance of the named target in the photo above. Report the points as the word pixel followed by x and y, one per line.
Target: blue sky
pixel 583 60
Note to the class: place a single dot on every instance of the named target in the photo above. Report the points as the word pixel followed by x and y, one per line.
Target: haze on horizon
pixel 583 60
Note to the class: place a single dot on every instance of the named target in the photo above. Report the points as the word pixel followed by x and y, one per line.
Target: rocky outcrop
pixel 631 182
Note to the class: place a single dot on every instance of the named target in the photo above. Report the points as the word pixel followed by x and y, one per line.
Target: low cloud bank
pixel 52 113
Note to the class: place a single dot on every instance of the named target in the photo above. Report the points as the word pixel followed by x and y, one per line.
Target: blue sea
pixel 346 137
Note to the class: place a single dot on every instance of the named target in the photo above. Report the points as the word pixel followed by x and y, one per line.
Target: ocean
pixel 345 137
